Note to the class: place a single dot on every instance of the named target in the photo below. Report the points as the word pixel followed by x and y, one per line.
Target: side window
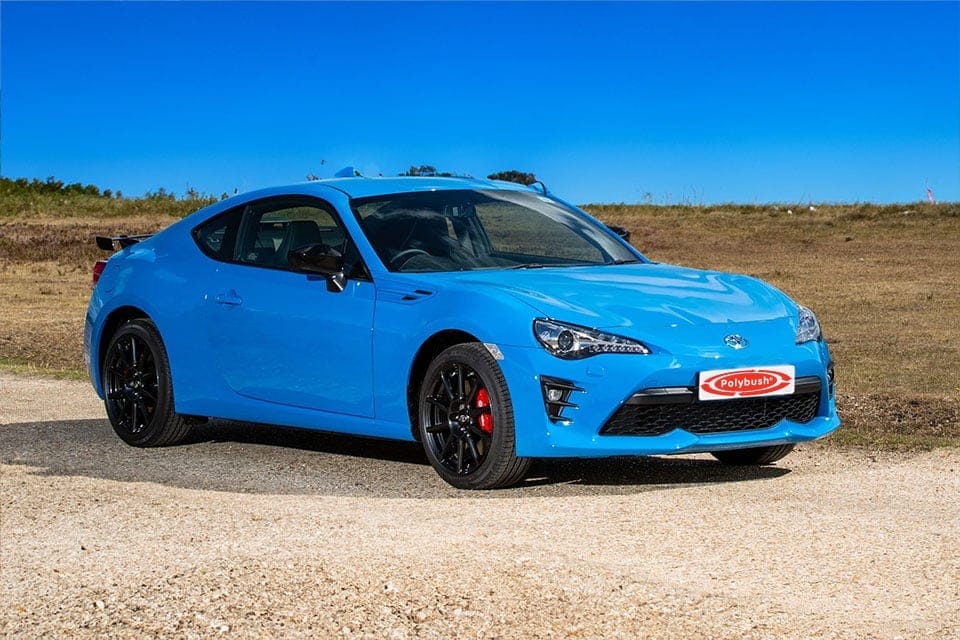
pixel 218 236
pixel 269 231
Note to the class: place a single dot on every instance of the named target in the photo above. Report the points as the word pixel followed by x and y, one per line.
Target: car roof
pixel 362 187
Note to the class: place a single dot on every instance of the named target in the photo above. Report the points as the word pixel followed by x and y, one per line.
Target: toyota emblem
pixel 736 341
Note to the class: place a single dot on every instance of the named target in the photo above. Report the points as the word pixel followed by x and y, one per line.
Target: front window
pixel 463 230
pixel 264 232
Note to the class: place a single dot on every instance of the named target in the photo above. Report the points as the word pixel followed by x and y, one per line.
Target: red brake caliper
pixel 485 420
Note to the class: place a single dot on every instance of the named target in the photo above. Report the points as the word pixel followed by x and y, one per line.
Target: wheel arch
pixel 113 322
pixel 429 350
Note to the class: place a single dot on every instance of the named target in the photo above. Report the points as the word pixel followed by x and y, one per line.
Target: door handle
pixel 230 297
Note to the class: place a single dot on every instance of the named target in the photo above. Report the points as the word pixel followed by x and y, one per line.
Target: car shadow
pixel 250 458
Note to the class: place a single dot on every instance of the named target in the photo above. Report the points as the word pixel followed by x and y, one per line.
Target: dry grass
pixel 42 308
pixel 46 263
pixel 884 281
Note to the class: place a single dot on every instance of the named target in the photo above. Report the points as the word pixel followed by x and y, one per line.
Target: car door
pixel 281 336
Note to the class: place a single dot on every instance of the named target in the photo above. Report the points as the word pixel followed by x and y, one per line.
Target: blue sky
pixel 620 102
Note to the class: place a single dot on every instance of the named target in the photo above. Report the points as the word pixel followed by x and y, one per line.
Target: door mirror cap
pixel 321 259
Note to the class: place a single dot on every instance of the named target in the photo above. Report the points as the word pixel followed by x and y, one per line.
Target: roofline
pixel 363 186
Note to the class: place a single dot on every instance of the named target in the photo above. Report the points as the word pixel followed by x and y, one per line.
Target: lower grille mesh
pixel 744 414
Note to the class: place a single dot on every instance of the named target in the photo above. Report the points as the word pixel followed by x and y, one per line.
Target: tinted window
pixel 270 231
pixel 263 234
pixel 218 236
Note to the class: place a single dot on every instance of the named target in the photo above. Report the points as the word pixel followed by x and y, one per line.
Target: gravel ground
pixel 254 532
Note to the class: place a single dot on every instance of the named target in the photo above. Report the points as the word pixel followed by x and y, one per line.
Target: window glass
pixel 218 236
pixel 271 230
pixel 515 229
pixel 459 230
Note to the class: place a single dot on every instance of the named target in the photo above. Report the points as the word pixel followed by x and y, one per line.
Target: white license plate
pixel 725 384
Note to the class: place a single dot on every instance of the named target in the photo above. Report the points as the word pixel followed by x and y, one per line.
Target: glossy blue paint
pixel 275 346
pixel 282 337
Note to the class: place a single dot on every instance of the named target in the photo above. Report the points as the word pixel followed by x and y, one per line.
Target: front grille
pixel 719 416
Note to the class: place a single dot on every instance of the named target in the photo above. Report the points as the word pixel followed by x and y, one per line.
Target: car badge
pixel 736 341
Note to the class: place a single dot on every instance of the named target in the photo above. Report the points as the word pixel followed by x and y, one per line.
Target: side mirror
pixel 620 231
pixel 321 259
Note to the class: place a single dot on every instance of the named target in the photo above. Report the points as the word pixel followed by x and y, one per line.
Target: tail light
pixel 98 268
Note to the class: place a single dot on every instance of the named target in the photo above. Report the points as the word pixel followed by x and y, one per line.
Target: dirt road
pixel 248 532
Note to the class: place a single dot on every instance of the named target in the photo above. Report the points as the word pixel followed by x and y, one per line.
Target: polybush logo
pixel 746 383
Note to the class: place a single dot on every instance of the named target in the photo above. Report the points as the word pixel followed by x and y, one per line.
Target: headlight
pixel 571 342
pixel 809 328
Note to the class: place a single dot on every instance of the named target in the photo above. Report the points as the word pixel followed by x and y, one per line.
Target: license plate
pixel 725 384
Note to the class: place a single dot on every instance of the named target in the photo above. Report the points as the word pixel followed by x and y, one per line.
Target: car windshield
pixel 459 230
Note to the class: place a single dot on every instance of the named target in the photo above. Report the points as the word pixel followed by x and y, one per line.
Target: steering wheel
pixel 401 258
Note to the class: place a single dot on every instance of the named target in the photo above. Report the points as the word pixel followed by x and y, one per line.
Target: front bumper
pixel 607 383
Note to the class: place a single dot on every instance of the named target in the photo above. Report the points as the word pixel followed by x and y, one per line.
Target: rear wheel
pixel 753 456
pixel 138 393
pixel 466 420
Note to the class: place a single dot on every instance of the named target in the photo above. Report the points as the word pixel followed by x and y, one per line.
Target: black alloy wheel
pixel 466 420
pixel 137 390
pixel 461 421
pixel 132 389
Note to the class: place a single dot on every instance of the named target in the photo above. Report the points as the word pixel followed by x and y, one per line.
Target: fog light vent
pixel 556 397
pixel 830 379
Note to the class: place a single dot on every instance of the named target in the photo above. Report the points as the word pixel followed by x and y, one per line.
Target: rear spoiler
pixel 110 243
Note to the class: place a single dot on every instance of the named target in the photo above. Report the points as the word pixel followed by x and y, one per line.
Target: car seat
pixel 300 233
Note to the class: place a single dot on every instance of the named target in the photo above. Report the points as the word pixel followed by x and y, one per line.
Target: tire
pixel 137 388
pixel 754 456
pixel 466 420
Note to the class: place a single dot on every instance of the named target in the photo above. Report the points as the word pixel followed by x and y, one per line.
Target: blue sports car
pixel 490 321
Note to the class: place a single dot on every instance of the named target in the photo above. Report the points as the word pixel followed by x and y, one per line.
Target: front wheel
pixel 753 456
pixel 466 420
pixel 138 392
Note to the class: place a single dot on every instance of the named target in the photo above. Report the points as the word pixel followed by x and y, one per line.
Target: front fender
pixel 405 321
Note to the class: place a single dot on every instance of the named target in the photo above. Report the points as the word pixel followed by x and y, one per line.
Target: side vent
pixel 405 296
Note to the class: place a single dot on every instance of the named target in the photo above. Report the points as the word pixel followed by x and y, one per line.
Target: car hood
pixel 644 300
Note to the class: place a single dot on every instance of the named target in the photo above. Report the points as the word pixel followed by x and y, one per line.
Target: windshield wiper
pixel 623 261
pixel 528 265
